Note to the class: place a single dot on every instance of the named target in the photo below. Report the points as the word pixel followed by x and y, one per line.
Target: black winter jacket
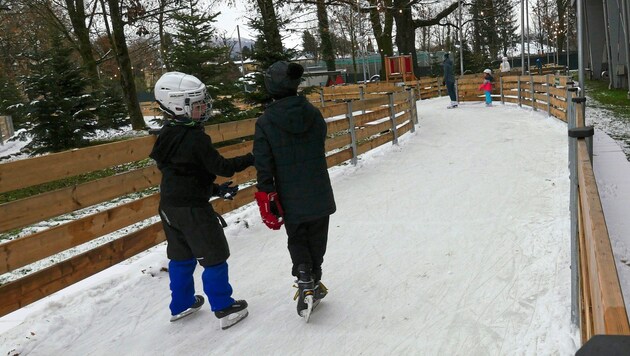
pixel 291 159
pixel 190 164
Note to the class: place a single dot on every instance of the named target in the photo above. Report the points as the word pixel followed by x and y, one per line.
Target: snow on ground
pixel 455 241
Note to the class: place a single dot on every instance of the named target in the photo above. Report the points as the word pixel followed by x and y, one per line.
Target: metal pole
pixel 522 37
pixel 608 49
pixel 575 277
pixel 529 64
pixel 580 20
pixel 461 35
pixel 360 42
pixel 568 15
pixel 624 25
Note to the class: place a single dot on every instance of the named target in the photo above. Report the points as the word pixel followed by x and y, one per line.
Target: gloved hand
pixel 226 192
pixel 270 209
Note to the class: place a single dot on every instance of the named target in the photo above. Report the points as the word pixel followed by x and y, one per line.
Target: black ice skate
pixel 233 314
pixel 304 295
pixel 193 308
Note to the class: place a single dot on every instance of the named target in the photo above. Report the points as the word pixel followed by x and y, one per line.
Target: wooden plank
pixel 609 312
pixel 370 104
pixel 361 120
pixel 62 237
pixel 339 157
pixel 559 114
pixel 43 206
pixel 33 171
pixel 333 110
pixel 346 96
pixel 371 130
pixel 378 141
pixel 402 118
pixel 335 126
pixel 585 288
pixel 231 130
pixel 338 142
pixel 559 92
pixel 559 103
pixel 405 128
pixel 35 286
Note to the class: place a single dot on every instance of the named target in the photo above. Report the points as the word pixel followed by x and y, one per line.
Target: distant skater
pixel 449 81
pixel 486 86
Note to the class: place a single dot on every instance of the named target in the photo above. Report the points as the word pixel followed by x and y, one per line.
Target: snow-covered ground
pixel 455 241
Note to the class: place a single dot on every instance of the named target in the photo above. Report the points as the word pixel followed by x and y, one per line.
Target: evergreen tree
pixel 310 45
pixel 60 109
pixel 192 51
pixel 506 24
pixel 266 54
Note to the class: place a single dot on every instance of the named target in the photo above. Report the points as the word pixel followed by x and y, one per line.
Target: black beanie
pixel 283 78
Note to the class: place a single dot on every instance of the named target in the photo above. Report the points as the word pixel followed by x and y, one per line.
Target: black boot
pixel 305 287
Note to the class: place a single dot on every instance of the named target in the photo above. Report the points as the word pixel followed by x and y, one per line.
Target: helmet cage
pixel 180 102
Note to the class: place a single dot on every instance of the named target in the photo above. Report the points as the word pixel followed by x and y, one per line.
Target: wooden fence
pixel 353 128
pixel 360 118
pixel 424 88
pixel 601 304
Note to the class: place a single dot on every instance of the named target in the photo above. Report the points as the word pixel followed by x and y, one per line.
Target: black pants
pixel 450 88
pixel 307 244
pixel 194 232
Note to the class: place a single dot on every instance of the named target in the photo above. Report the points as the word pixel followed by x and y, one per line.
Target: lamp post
pixel 461 35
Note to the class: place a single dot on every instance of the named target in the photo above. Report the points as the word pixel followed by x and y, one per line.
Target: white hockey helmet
pixel 178 93
pixel 487 70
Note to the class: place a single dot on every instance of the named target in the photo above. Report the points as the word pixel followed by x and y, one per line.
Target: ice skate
pixel 233 314
pixel 199 300
pixel 305 294
pixel 452 105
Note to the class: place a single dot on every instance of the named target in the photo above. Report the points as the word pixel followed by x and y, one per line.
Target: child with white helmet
pixel 486 86
pixel 194 231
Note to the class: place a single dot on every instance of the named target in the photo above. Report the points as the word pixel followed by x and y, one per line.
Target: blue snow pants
pixel 488 97
pixel 215 280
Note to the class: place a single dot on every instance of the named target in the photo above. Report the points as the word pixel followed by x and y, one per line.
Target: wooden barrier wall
pixel 353 128
pixel 602 308
pixel 424 88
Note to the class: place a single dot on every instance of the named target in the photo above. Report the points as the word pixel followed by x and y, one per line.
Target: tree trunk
pixel 76 12
pixel 271 31
pixel 324 33
pixel 119 45
pixel 405 33
pixel 382 33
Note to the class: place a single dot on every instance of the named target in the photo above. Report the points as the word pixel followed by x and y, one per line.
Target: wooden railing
pixel 353 128
pixel 424 88
pixel 601 303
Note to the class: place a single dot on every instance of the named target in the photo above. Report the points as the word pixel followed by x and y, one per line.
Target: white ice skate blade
pixel 230 320
pixel 186 312
pixel 306 313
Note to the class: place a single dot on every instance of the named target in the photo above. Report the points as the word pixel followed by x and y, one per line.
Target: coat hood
pixel 293 114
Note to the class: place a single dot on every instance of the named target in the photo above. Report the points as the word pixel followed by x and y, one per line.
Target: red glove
pixel 270 209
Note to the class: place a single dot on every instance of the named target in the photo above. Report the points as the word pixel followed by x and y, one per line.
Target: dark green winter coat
pixel 289 147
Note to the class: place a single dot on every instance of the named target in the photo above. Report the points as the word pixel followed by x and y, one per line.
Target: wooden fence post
pixel 501 90
pixel 412 109
pixel 520 104
pixel 532 91
pixel 392 118
pixel 439 87
pixel 548 95
pixel 353 134
pixel 321 96
pixel 362 96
